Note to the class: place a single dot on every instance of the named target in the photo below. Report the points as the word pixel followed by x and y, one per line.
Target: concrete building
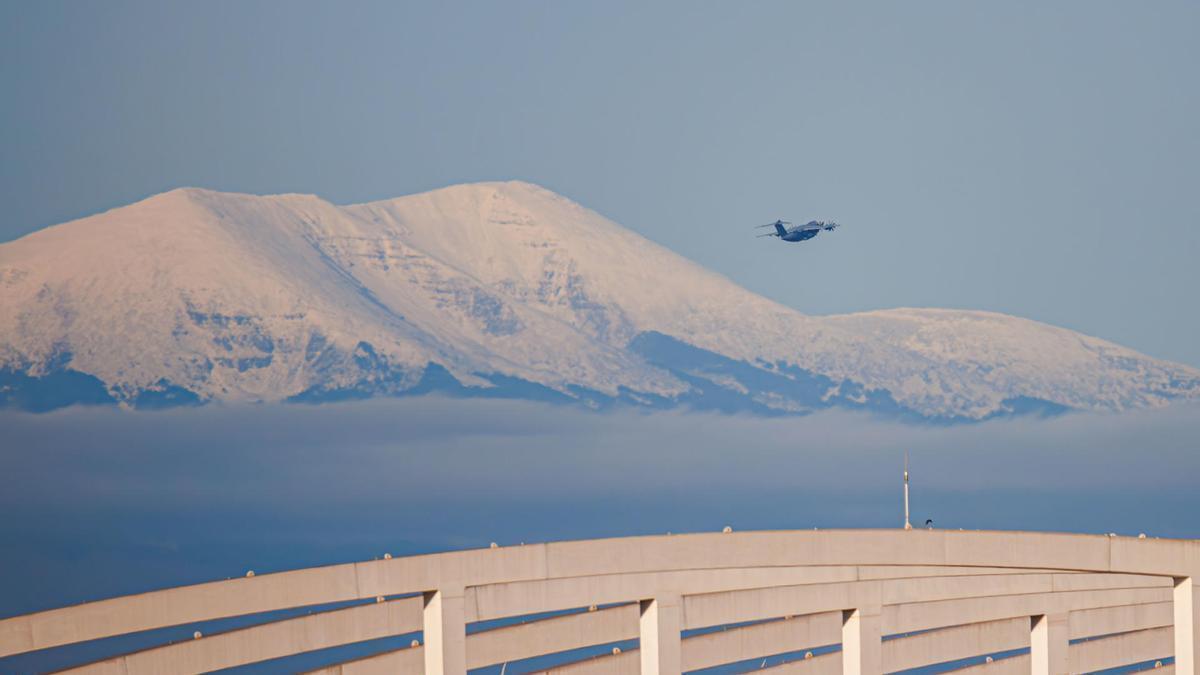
pixel 857 601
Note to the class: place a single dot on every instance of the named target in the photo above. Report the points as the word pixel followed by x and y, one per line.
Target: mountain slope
pixel 488 289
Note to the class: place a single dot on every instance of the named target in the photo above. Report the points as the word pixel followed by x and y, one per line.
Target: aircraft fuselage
pixel 799 235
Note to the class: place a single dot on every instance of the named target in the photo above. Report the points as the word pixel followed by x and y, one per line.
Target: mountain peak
pixel 495 288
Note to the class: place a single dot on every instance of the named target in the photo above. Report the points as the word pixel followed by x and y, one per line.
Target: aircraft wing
pixel 816 225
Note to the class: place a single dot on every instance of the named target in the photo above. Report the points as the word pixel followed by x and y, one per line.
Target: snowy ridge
pixel 489 289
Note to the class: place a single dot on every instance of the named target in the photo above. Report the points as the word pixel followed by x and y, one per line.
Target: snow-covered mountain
pixel 490 289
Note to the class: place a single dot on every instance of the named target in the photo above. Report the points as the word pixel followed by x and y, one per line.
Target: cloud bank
pixel 99 501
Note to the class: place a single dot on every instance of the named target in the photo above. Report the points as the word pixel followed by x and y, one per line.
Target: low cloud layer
pixel 253 456
pixel 113 501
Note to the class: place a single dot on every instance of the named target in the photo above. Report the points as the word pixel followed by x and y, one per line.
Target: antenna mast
pixel 907 524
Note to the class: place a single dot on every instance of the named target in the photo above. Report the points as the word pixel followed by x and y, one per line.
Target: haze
pixel 284 486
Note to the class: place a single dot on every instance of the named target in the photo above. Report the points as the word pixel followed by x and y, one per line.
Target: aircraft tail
pixel 779 228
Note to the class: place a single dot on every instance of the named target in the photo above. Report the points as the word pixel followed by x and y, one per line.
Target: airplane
pixel 799 233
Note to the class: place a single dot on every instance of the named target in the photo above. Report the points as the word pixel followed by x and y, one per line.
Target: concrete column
pixel 445 632
pixel 659 639
pixel 1187 625
pixel 862 642
pixel 1049 644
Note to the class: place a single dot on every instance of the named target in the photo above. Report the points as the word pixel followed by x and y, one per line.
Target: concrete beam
pixel 1049 652
pixel 408 661
pixel 862 641
pixel 939 606
pixel 445 629
pixel 551 635
pixel 957 642
pixel 728 607
pixel 634 555
pixel 761 639
pixel 1120 619
pixel 1120 650
pixel 497 601
pixel 1013 665
pixel 270 640
pixel 930 615
pixel 829 663
pixel 176 606
pixel 793 634
pixel 1186 599
pixel 625 663
pixel 510 643
pixel 659 636
pixel 264 593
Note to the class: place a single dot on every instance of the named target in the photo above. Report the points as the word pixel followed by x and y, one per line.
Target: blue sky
pixel 1030 158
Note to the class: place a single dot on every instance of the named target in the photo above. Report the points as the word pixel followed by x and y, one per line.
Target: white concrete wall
pixel 975 592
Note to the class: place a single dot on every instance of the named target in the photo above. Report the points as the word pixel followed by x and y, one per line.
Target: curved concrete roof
pixel 878 582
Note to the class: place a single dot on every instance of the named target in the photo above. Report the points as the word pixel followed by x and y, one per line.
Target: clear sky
pixel 1039 159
